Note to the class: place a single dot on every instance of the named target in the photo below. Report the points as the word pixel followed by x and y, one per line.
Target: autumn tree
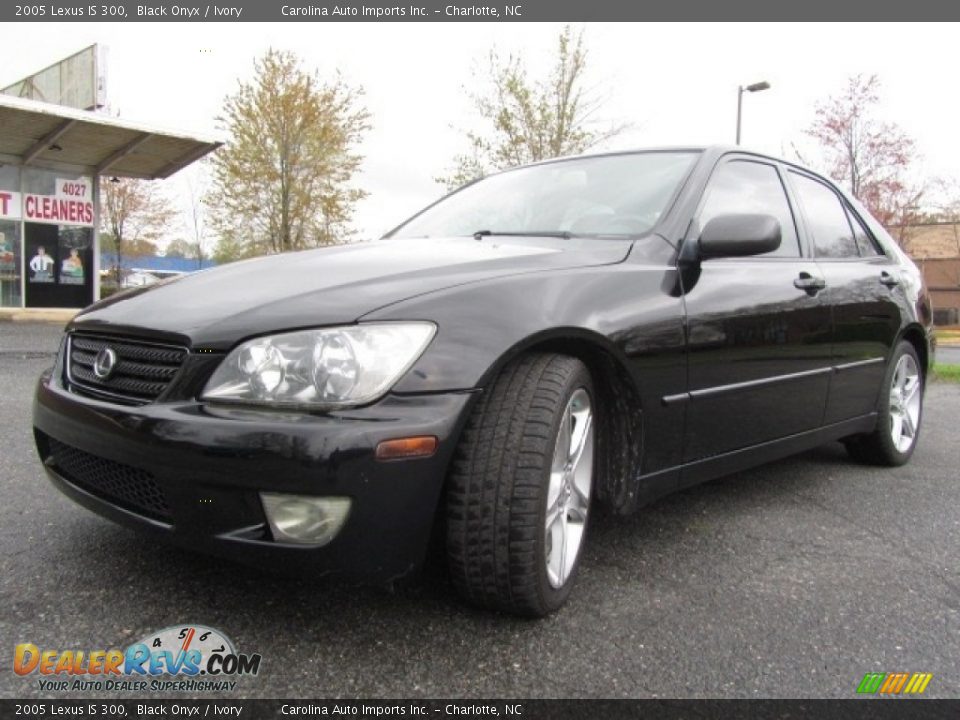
pixel 871 158
pixel 134 215
pixel 131 248
pixel 526 120
pixel 283 181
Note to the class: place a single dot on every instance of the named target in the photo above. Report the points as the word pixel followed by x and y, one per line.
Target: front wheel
pixel 899 415
pixel 519 493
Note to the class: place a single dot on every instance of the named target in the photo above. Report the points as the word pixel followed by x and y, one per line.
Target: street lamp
pixel 756 87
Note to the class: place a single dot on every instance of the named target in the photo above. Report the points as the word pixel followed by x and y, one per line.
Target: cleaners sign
pixel 71 205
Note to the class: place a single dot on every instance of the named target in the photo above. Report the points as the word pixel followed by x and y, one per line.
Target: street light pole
pixel 755 87
pixel 739 110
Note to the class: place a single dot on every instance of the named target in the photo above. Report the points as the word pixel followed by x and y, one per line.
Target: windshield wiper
pixel 566 235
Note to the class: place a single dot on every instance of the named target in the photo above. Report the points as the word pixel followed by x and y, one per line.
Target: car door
pixel 862 289
pixel 758 328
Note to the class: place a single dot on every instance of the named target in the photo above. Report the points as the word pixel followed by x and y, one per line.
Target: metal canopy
pixel 51 136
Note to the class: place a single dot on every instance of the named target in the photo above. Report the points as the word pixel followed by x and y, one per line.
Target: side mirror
pixel 739 236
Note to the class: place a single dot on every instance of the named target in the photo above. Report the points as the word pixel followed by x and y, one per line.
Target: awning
pixel 51 136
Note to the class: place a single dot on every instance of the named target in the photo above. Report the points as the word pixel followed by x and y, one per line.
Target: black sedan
pixel 584 331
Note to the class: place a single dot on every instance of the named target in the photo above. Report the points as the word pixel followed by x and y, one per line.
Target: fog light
pixel 304 519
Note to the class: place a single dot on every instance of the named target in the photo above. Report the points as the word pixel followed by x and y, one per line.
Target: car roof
pixel 710 152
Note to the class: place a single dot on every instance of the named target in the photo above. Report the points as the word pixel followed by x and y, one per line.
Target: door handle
pixel 889 280
pixel 809 282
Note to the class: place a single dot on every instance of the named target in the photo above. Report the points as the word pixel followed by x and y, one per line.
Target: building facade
pixel 47 238
pixel 51 162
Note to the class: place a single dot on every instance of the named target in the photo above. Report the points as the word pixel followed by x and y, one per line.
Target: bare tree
pixel 529 120
pixel 946 206
pixel 196 219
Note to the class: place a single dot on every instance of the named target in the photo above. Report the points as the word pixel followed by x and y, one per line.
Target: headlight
pixel 327 368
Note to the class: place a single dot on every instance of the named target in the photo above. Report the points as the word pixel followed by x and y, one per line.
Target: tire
pixel 503 478
pixel 899 413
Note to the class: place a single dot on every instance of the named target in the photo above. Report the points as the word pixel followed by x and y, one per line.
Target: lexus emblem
pixel 105 363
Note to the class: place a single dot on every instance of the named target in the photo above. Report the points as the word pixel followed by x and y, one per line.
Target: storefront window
pixel 58 265
pixel 10 209
pixel 58 239
pixel 10 264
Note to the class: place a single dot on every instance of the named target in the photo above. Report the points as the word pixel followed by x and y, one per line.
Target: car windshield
pixel 610 195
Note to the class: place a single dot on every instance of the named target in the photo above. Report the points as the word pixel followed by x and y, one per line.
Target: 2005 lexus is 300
pixel 594 330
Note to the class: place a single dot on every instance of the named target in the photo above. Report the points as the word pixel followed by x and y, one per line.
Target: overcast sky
pixel 676 83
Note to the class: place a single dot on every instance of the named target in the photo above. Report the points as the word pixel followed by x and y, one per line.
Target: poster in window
pixel 7 258
pixel 74 245
pixel 42 266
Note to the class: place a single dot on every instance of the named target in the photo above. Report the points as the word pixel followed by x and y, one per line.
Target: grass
pixel 946 373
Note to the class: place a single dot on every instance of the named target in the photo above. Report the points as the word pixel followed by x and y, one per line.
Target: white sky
pixel 676 83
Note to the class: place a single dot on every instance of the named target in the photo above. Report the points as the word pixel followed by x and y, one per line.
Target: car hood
pixel 216 308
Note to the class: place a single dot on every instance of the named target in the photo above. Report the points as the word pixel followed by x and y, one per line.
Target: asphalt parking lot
pixel 790 580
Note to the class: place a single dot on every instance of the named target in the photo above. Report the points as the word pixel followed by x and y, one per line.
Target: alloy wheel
pixel 568 495
pixel 905 403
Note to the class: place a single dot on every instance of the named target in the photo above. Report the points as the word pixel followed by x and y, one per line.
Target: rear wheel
pixel 519 492
pixel 901 410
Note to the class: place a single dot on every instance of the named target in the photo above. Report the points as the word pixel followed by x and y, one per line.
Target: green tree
pixel 180 248
pixel 134 216
pixel 228 248
pixel 283 181
pixel 526 120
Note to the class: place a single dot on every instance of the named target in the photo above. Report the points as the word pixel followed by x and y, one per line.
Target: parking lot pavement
pixel 20 339
pixel 793 579
pixel 948 354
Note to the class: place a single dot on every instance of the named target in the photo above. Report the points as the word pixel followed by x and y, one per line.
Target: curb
pixel 60 316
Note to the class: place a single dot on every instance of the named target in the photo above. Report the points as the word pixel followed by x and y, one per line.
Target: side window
pixel 865 243
pixel 742 186
pixel 827 218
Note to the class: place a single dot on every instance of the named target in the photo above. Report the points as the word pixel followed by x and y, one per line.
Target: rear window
pixel 826 218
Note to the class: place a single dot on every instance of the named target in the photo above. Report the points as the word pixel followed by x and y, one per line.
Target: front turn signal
pixel 406 448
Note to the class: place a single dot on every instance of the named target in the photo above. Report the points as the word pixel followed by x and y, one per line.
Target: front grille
pixel 123 485
pixel 141 373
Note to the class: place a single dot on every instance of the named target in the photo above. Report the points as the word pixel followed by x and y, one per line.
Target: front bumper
pixel 191 472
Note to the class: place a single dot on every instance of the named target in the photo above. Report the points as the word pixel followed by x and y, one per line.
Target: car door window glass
pixel 827 219
pixel 865 243
pixel 750 187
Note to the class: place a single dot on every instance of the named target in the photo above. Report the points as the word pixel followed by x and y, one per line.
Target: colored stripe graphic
pixel 871 682
pixel 918 683
pixel 894 683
